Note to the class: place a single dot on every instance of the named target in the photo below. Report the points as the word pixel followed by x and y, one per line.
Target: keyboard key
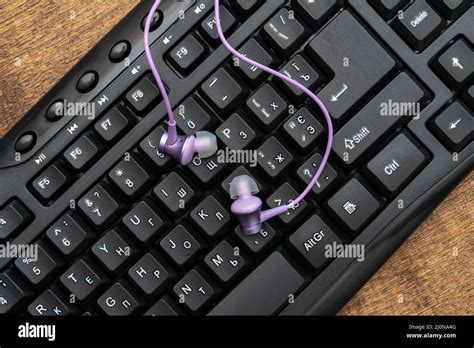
pixel 143 222
pixel 187 54
pixel 50 183
pixel 12 218
pixel 255 51
pixel 396 164
pixel 456 65
pixel 82 153
pixel 389 8
pixel 455 126
pixel 211 216
pixel 235 133
pixel 51 304
pixel 311 240
pixel 99 206
pixel 143 95
pixel 316 12
pixel 327 179
pixel 41 270
pixel 206 169
pixel 254 297
pixel 371 124
pixel 112 126
pixel 225 261
pixel 13 292
pixel 114 251
pixel 208 26
pixel 69 235
pixel 285 194
pixel 273 158
pixel 239 171
pixel 303 128
pixel 420 25
pixel 180 245
pixel 223 91
pixel 163 307
pixel 120 300
pixel 174 193
pixel 149 275
pixel 194 291
pixel 130 177
pixel 301 71
pixel 259 242
pixel 335 44
pixel 354 204
pixel 468 96
pixel 191 117
pixel 451 9
pixel 246 6
pixel 83 279
pixel 284 32
pixel 268 106
pixel 149 147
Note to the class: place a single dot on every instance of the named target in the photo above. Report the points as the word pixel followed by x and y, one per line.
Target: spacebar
pixel 264 291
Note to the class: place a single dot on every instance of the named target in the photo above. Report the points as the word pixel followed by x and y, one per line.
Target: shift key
pixel 397 102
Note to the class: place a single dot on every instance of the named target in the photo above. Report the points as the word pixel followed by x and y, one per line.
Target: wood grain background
pixel 40 40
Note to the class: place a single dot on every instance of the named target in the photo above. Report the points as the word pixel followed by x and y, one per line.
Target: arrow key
pixel 454 126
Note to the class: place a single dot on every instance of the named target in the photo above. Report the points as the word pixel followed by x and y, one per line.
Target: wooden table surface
pixel 431 273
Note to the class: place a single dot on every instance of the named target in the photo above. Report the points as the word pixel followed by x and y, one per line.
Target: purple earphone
pixel 247 207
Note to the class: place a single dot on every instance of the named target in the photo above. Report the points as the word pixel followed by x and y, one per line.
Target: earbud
pixel 247 207
pixel 183 148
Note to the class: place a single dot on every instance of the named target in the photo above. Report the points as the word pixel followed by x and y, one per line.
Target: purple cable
pixel 310 94
pixel 172 133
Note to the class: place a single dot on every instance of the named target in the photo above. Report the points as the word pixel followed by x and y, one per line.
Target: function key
pixel 319 11
pixel 120 300
pixel 120 51
pixel 55 111
pixel 187 54
pixel 354 204
pixel 284 32
pixel 12 218
pixel 268 106
pixel 87 82
pixel 112 125
pixel 225 261
pixel 451 9
pixel 456 64
pixel 311 240
pixel 143 95
pixel 194 290
pixel 223 91
pixel 389 8
pixel 114 251
pixel 83 279
pixel 228 22
pixel 235 133
pixel 273 158
pixel 130 177
pixel 50 182
pixel 255 51
pixel 25 142
pixel 180 245
pixel 303 128
pixel 327 178
pixel 420 24
pixel 99 206
pixel 396 164
pixel 82 153
pixel 174 193
pixel 455 126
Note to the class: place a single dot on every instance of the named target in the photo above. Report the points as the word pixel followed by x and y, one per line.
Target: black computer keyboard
pixel 122 230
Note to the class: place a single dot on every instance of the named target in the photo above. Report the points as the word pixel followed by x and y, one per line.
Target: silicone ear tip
pixel 241 185
pixel 206 144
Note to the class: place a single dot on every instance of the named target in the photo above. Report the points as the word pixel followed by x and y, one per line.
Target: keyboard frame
pixel 333 287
